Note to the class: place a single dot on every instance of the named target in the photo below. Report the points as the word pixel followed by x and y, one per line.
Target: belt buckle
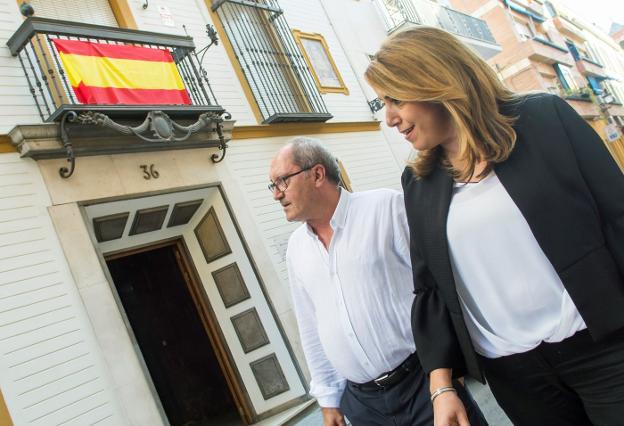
pixel 380 379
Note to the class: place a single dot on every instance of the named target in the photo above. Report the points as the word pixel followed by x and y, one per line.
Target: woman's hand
pixel 332 417
pixel 448 410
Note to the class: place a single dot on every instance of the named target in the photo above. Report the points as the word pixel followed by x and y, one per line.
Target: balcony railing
pixel 398 12
pixel 465 25
pixel 425 12
pixel 33 45
pixel 274 66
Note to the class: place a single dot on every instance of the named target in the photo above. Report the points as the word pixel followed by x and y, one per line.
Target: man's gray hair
pixel 308 152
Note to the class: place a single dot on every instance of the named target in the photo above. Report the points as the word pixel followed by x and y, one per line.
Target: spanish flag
pixel 121 74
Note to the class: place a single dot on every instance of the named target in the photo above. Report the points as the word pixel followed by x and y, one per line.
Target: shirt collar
pixel 339 217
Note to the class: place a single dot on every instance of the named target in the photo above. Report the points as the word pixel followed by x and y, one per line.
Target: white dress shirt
pixel 353 301
pixel 510 294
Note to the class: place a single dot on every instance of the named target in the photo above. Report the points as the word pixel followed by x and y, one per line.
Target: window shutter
pixel 96 12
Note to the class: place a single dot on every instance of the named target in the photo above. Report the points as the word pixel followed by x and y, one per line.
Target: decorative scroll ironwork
pixel 157 127
pixel 375 105
pixel 71 159
pixel 161 126
pixel 216 158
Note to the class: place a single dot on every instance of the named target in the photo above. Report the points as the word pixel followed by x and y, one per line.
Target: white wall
pixel 16 102
pixel 360 40
pixel 51 370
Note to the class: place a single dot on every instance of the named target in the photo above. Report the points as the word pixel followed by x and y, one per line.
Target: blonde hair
pixel 426 64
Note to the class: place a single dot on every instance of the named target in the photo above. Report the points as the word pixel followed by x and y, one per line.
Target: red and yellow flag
pixel 121 74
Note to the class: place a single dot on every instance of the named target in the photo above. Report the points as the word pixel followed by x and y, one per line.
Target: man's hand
pixel 448 410
pixel 333 417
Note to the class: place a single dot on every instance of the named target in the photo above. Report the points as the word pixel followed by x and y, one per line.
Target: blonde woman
pixel 516 216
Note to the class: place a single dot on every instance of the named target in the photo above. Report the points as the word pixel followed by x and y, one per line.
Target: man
pixel 350 277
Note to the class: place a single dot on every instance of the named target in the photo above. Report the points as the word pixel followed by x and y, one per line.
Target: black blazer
pixel 571 193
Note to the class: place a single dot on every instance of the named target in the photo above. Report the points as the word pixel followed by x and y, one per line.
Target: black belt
pixel 392 377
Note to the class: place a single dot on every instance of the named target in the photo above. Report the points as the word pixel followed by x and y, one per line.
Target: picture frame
pixel 321 63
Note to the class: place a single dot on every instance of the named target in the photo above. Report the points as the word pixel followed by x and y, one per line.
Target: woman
pixel 516 214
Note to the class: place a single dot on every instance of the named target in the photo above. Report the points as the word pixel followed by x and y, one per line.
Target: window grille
pixel 274 67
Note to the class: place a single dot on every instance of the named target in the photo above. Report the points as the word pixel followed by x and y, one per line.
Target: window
pixel 274 68
pixel 524 30
pixel 97 12
pixel 320 62
pixel 541 32
pixel 564 74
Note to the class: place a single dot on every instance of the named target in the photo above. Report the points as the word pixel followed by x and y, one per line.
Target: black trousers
pixel 575 382
pixel 407 403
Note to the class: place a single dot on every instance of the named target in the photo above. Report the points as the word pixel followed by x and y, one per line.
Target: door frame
pixel 208 319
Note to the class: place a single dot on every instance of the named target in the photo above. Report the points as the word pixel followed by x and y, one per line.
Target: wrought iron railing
pixel 49 85
pixel 274 67
pixel 398 12
pixel 465 25
pixel 425 12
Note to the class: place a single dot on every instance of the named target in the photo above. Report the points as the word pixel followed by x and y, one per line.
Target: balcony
pixel 542 50
pixel 590 68
pixel 113 90
pixel 397 13
pixel 472 31
pixel 567 28
pixel 34 45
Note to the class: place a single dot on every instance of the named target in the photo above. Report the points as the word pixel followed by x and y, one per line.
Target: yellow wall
pixel 5 419
pixel 616 148
pixel 6 146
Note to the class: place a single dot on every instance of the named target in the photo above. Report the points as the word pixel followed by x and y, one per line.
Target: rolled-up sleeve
pixel 432 327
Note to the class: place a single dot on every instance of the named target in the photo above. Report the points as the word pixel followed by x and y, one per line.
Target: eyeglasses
pixel 281 182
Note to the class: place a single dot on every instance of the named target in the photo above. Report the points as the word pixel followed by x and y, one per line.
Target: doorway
pixel 156 293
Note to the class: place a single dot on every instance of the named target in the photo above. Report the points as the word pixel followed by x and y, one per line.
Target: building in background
pixel 142 276
pixel 545 48
pixel 617 33
pixel 376 19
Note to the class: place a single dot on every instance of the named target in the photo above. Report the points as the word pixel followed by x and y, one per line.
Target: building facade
pixel 545 48
pixel 142 275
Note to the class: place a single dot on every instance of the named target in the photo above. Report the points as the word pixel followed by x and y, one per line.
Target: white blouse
pixel 511 296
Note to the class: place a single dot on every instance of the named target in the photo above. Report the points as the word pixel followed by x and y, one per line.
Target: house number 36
pixel 149 172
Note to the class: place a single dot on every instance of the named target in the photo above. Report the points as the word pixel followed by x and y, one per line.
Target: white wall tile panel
pixel 16 102
pixel 51 372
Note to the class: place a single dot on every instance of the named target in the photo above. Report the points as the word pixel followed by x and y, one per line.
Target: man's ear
pixel 319 174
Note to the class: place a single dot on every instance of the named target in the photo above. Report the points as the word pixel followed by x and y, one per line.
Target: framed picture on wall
pixel 319 60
